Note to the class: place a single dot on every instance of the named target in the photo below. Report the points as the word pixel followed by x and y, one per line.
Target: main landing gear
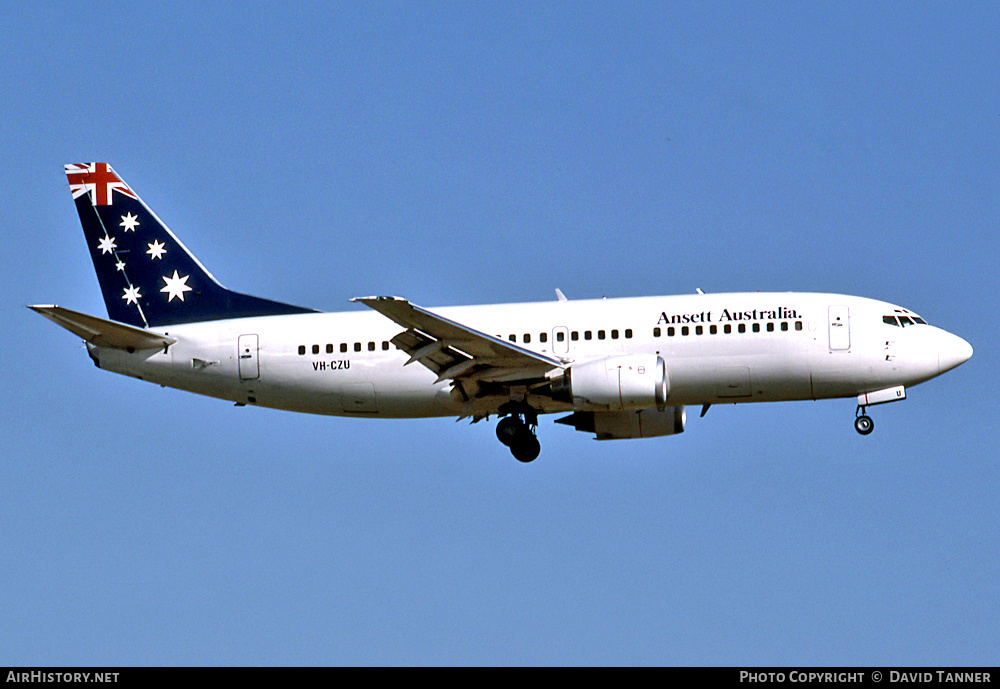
pixel 863 423
pixel 516 430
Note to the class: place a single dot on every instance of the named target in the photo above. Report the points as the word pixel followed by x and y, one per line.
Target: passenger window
pixel 343 346
pixel 628 333
pixel 385 346
pixel 543 337
pixel 357 346
pixel 329 349
pixel 756 327
pixel 698 330
pixel 512 338
pixel 671 331
pixel 713 329
pixel 614 334
pixel 574 336
pixel 685 330
pixel 784 326
pixel 560 336
pixel 770 327
pixel 727 328
pixel 798 325
pixel 302 350
pixel 600 334
pixel 371 346
pixel 527 338
pixel 587 335
pixel 315 349
pixel 742 327
pixel 656 332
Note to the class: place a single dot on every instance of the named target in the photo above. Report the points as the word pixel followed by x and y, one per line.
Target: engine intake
pixel 615 383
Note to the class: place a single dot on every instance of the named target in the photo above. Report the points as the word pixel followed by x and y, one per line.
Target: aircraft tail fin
pixel 148 277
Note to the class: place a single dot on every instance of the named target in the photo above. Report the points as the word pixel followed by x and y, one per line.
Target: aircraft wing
pixel 455 351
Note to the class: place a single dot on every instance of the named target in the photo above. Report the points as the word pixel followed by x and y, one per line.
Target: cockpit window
pixel 909 319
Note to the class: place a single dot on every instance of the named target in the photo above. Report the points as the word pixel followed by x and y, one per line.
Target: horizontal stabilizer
pixel 104 333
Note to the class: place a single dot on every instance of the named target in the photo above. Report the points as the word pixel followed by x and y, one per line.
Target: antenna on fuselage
pixel 560 296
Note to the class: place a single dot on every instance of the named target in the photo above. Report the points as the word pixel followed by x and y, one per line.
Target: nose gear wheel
pixel 863 423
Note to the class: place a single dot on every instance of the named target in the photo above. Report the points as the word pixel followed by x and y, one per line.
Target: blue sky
pixel 463 153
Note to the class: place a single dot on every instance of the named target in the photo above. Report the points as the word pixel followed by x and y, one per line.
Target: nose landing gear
pixel 517 431
pixel 863 423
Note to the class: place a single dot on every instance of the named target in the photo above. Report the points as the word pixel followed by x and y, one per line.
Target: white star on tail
pixel 107 245
pixel 176 286
pixel 131 295
pixel 129 222
pixel 156 249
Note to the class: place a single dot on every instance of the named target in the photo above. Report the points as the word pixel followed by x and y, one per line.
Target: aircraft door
pixel 840 329
pixel 560 340
pixel 247 351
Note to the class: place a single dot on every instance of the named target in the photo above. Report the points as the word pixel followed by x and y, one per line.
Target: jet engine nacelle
pixel 615 383
pixel 622 425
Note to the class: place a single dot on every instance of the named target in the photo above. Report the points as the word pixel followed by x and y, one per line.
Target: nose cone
pixel 952 351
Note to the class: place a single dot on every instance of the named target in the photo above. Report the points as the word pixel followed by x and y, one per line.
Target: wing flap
pixel 436 355
pixel 102 332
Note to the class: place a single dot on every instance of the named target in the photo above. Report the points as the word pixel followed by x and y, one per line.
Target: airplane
pixel 620 368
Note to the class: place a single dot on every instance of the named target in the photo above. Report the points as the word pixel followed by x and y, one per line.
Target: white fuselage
pixel 718 348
